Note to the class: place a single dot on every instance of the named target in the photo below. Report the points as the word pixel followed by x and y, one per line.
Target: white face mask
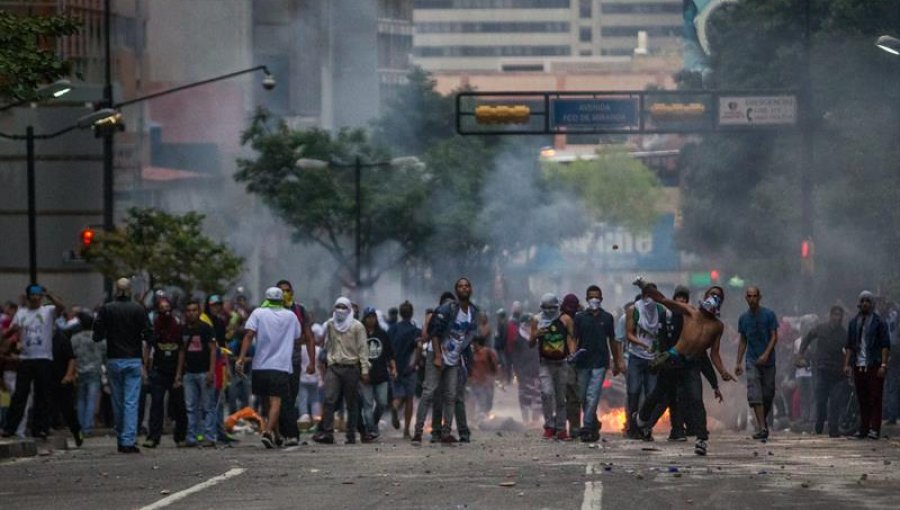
pixel 341 315
pixel 594 303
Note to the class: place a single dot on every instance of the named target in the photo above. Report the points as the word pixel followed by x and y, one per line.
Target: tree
pixel 167 250
pixel 617 188
pixel 28 56
pixel 741 193
pixel 319 204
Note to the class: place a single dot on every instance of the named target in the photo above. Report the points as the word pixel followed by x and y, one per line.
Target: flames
pixel 614 420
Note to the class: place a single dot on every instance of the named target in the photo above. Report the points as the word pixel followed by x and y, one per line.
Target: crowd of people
pixel 207 365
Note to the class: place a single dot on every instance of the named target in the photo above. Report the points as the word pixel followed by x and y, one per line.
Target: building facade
pixel 519 34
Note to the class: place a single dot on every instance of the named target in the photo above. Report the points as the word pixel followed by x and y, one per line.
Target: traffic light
pixel 676 111
pixel 807 257
pixel 502 114
pixel 87 237
pixel 714 276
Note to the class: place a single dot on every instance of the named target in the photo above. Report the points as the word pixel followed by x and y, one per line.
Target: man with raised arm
pixel 701 330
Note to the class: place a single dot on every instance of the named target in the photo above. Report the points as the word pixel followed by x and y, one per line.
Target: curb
pixel 11 449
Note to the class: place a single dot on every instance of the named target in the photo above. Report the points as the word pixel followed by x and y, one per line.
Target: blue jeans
pixel 590 387
pixel 238 392
pixel 374 402
pixel 640 383
pixel 125 386
pixel 308 400
pixel 200 401
pixel 86 400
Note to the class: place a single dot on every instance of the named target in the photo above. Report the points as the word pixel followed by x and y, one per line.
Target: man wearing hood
pixel 866 357
pixel 701 330
pixel 276 329
pixel 375 393
pixel 347 362
pixel 553 331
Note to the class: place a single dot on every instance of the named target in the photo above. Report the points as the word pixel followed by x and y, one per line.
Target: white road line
pixel 593 491
pixel 178 496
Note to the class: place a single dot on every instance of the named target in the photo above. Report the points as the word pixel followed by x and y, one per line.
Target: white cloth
pixel 458 337
pixel 342 326
pixel 304 364
pixel 36 337
pixel 276 329
pixel 647 328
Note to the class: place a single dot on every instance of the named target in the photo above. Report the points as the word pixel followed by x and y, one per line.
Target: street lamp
pixel 98 118
pixel 357 166
pixel 56 89
pixel 889 44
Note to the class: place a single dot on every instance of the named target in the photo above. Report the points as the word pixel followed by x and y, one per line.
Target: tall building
pixel 518 35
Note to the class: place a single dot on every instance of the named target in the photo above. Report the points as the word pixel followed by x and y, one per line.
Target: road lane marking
pixel 178 496
pixel 593 491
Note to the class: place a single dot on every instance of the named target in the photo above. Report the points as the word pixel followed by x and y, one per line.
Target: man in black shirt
pixel 197 362
pixel 827 359
pixel 62 392
pixel 125 326
pixel 162 354
pixel 383 368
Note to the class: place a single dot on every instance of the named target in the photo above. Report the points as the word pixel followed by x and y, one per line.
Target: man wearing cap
pixel 125 326
pixel 34 323
pixel 289 412
pixel 275 329
pixel 866 357
pixel 553 332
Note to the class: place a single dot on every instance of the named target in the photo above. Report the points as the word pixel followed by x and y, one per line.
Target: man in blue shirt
pixel 759 334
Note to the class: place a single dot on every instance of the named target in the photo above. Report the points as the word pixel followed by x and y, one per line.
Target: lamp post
pixel 357 166
pixel 889 44
pixel 84 122
pixel 56 89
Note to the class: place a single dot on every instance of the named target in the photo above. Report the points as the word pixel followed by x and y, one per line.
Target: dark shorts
pixel 760 384
pixel 271 383
pixel 405 385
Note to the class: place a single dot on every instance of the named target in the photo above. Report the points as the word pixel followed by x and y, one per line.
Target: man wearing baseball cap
pixel 275 329
pixel 34 322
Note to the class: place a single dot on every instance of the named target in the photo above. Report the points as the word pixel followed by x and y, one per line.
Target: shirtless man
pixel 702 330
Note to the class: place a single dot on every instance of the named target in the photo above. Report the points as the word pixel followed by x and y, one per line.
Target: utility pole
pixel 108 149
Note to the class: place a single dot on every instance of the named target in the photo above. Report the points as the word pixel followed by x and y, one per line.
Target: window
pixel 492 51
pixel 643 8
pixel 585 53
pixel 632 31
pixel 584 9
pixel 492 4
pixel 491 27
pixel 585 34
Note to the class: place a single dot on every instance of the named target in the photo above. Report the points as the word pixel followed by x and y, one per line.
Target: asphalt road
pixel 509 470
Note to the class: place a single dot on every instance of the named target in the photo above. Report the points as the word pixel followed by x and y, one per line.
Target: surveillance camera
pixel 268 82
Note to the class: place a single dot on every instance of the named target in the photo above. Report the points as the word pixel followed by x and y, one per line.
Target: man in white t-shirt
pixel 34 324
pixel 275 329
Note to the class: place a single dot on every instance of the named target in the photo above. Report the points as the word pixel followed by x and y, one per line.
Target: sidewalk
pixel 14 447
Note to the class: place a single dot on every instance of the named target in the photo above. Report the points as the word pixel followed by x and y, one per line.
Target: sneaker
pixel 465 439
pixel 368 438
pixel 762 435
pixel 350 440
pixel 873 434
pixel 292 441
pixel 267 440
pixel 395 418
pixel 449 439
pixel 279 441
pixel 323 438
pixel 678 438
pixel 700 448
pixel 549 433
pixel 590 437
pixel 129 449
pixel 79 439
pixel 5 434
pixel 563 436
pixel 150 443
pixel 417 438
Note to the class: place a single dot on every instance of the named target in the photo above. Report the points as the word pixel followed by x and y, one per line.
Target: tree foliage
pixel 28 56
pixel 166 250
pixel 742 192
pixel 319 204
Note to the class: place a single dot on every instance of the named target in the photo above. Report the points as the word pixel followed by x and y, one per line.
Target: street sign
pixel 757 110
pixel 591 113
